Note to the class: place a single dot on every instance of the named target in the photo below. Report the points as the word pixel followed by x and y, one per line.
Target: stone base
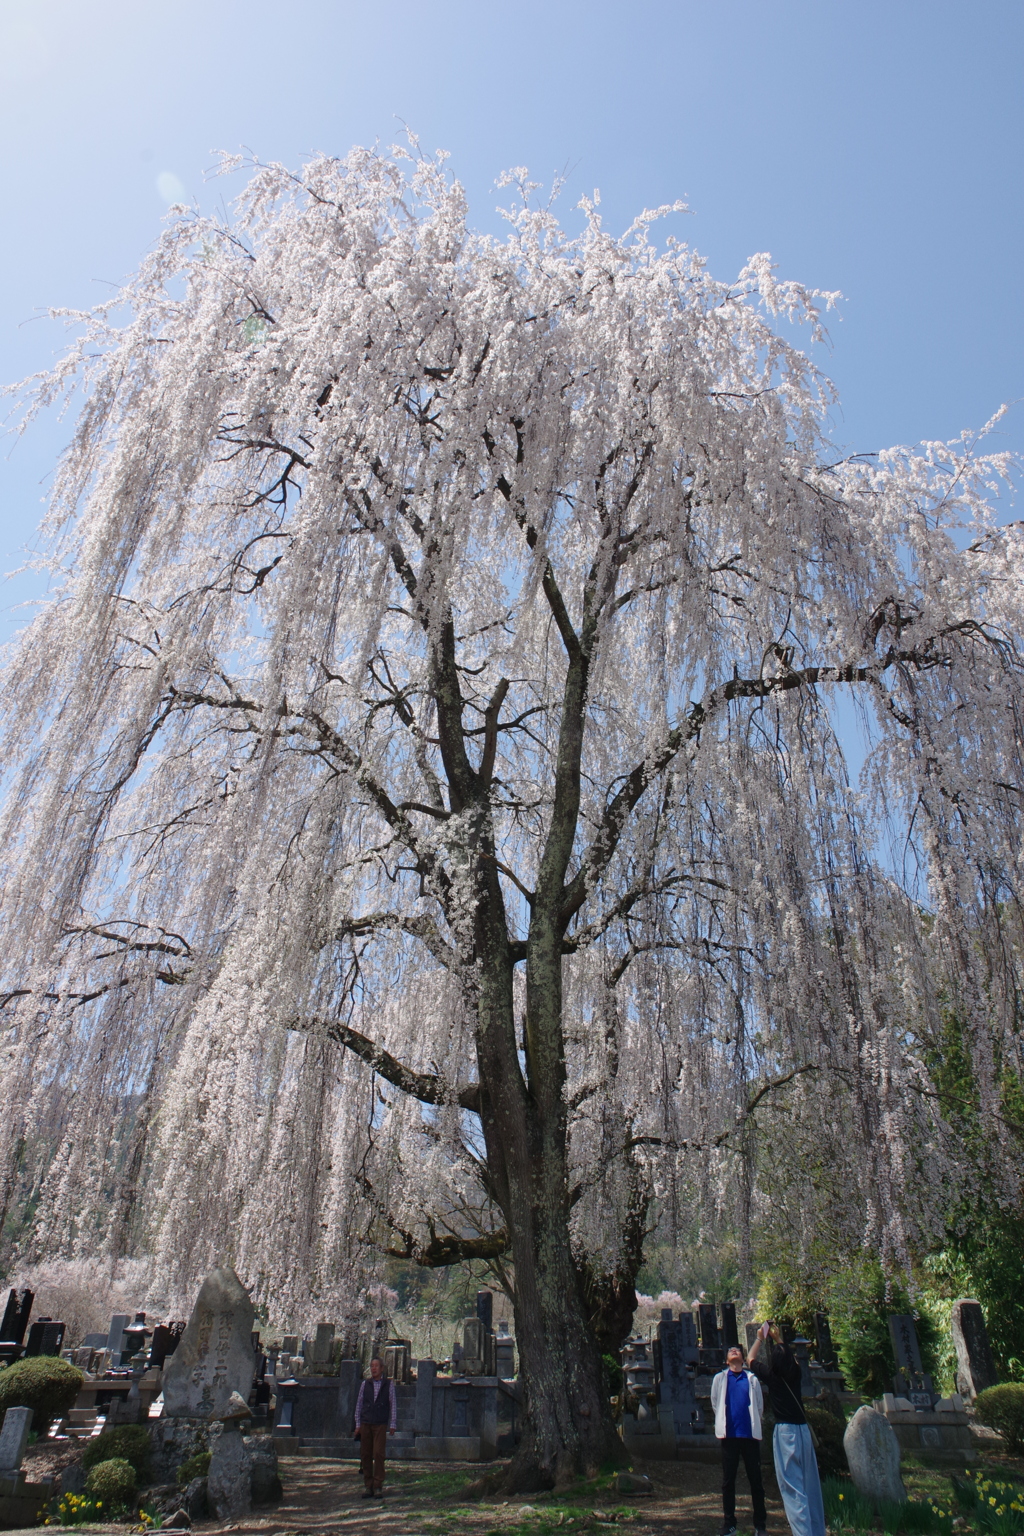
pixel 942 1438
pixel 174 1441
pixel 449 1448
pixel 24 1508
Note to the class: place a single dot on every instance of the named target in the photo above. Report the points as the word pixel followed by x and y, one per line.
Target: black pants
pixel 732 1449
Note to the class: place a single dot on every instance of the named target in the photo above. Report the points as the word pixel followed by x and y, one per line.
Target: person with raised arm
pixel 796 1466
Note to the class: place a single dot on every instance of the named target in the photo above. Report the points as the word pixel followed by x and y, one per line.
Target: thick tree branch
pixel 425 1086
pixel 702 713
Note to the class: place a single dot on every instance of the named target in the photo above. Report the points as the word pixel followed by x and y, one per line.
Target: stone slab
pixel 215 1355
pixel 229 1480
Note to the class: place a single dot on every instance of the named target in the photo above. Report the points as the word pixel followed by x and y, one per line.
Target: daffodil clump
pixel 75 1509
pixel 995 1507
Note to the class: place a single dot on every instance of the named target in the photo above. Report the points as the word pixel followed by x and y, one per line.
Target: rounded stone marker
pixel 873 1453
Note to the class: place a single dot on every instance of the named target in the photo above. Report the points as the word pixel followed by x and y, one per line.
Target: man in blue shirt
pixel 738 1404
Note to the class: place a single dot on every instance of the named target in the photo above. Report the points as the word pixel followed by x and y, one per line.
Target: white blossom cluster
pixel 316 442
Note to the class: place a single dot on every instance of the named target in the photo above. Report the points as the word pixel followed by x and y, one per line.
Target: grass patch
pixel 437 1485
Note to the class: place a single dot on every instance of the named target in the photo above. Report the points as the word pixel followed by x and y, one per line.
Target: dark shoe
pixel 378 1493
pixel 759 1530
pixel 367 1493
pixel 728 1528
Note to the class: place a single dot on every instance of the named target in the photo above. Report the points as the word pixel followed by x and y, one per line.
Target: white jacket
pixel 718 1403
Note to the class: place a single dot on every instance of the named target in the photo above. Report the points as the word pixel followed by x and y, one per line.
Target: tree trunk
pixel 568 1429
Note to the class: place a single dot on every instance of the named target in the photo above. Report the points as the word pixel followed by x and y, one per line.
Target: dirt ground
pixel 323 1498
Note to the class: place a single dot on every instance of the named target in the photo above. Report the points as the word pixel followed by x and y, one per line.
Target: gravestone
pixel 910 1380
pixel 873 1453
pixel 318 1352
pixel 505 1357
pixel 426 1375
pixel 215 1355
pixel 826 1348
pixel 690 1344
pixel 712 1356
pixel 13 1440
pixel 16 1316
pixel 474 1347
pixel 485 1308
pixel 904 1344
pixel 708 1326
pixel 45 1338
pixel 975 1367
pixel 730 1335
pixel 118 1324
pixel 165 1340
pixel 676 1388
pixel 750 1329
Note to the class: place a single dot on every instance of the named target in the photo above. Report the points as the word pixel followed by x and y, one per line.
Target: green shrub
pixel 111 1483
pixel 1002 1408
pixel 196 1466
pixel 828 1431
pixel 46 1384
pixel 126 1442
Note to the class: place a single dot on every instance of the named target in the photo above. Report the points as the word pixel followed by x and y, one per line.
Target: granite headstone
pixel 14 1439
pixel 905 1345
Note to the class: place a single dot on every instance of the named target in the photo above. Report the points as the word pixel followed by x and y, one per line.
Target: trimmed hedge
pixel 112 1483
pixel 126 1442
pixel 1002 1408
pixel 46 1384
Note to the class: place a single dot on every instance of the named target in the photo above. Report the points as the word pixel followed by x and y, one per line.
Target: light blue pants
pixel 796 1468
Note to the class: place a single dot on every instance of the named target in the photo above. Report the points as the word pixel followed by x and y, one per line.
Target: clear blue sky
pixel 872 145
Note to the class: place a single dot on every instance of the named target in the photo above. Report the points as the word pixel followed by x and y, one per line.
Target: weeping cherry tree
pixel 427 827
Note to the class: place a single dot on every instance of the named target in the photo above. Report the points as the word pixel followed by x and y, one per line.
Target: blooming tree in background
pixel 427 826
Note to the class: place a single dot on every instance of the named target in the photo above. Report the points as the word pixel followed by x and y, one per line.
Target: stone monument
pixel 975 1367
pixel 215 1355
